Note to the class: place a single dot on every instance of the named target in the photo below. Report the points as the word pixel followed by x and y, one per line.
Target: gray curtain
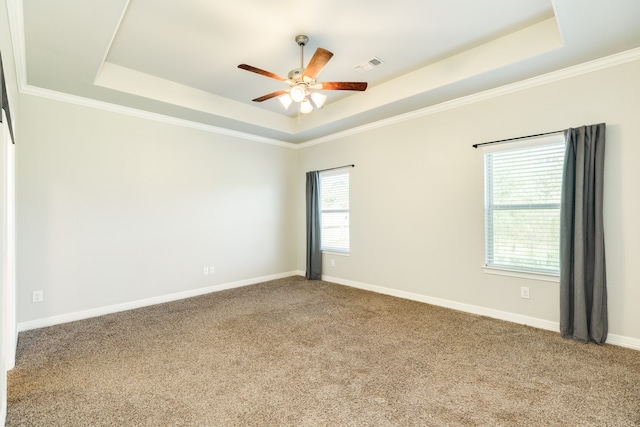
pixel 314 254
pixel 583 282
pixel 4 102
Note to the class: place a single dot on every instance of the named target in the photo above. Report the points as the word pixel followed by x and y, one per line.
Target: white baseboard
pixel 622 341
pixel 613 339
pixel 618 340
pixel 101 311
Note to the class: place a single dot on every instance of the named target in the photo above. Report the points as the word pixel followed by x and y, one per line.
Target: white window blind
pixel 334 210
pixel 522 207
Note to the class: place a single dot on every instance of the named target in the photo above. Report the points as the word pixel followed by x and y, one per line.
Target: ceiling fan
pixel 302 81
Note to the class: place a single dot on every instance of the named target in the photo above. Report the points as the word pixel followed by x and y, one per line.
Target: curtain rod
pixel 520 137
pixel 337 167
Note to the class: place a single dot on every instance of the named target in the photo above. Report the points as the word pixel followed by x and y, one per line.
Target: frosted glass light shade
pixel 285 100
pixel 318 99
pixel 306 107
pixel 298 93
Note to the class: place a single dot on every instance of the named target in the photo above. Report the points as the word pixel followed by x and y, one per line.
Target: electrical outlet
pixel 524 292
pixel 37 296
pixel 206 271
pixel 333 263
pixel 211 270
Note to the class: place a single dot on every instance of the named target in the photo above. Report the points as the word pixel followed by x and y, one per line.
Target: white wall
pixel 417 197
pixel 7 309
pixel 113 208
pixel 6 322
pixel 8 244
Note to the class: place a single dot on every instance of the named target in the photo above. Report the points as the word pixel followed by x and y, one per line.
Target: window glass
pixel 334 210
pixel 522 207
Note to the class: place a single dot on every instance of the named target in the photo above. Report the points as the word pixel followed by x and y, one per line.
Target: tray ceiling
pixel 179 59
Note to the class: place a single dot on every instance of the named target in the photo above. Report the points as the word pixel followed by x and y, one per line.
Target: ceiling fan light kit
pixel 285 100
pixel 318 99
pixel 302 81
pixel 298 92
pixel 305 106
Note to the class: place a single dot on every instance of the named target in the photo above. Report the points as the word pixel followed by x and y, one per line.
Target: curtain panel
pixel 4 101
pixel 583 284
pixel 314 253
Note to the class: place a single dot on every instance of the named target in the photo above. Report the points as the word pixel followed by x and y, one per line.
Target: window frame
pixel 334 249
pixel 505 270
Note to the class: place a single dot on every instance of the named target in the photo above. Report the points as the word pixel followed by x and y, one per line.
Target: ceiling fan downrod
pixel 301 80
pixel 295 75
pixel 302 40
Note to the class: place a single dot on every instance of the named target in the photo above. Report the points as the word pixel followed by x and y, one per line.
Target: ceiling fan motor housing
pixel 302 80
pixel 302 40
pixel 296 74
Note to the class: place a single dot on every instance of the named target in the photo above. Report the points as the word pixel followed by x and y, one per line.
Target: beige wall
pixel 7 318
pixel 417 197
pixel 7 312
pixel 114 208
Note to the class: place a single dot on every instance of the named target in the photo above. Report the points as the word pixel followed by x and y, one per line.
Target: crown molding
pixel 115 108
pixel 577 70
pixel 565 73
pixel 16 28
pixel 16 24
pixel 16 21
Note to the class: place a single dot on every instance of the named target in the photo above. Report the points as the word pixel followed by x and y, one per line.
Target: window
pixel 334 210
pixel 522 206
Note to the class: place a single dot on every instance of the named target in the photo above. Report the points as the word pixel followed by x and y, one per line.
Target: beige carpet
pixel 296 353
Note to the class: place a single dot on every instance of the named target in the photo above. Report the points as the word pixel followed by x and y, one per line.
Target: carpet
pixel 292 352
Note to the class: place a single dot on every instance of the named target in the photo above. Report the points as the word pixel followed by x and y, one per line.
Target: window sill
pixel 521 274
pixel 338 253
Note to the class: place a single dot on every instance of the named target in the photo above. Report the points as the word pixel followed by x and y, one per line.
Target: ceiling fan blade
pixel 270 95
pixel 262 72
pixel 360 86
pixel 317 63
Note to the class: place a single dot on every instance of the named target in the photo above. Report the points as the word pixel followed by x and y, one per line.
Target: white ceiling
pixel 179 58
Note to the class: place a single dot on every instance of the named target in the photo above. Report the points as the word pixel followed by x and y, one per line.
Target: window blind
pixel 522 207
pixel 334 210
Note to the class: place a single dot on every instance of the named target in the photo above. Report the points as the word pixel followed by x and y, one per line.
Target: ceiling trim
pixel 576 70
pixel 16 23
pixel 16 27
pixel 531 41
pixel 134 112
pixel 113 36
pixel 147 86
pixel 587 67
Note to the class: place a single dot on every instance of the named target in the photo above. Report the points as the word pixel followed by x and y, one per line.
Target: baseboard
pixel 622 341
pixel 612 339
pixel 618 340
pixel 101 311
